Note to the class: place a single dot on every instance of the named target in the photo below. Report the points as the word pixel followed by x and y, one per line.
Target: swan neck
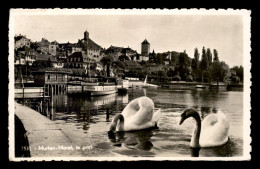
pixel 117 117
pixel 114 123
pixel 196 133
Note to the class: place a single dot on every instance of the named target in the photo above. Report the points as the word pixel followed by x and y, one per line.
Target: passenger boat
pixel 103 86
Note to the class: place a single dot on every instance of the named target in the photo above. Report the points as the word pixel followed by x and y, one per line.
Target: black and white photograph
pixel 133 84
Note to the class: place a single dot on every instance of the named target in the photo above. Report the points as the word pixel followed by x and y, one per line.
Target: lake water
pixel 86 120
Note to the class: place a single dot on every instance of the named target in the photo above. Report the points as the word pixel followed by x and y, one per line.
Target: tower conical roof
pixel 145 42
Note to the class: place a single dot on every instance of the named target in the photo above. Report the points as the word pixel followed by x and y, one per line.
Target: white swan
pixel 139 114
pixel 211 132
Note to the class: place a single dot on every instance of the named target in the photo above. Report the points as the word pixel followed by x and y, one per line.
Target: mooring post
pixel 43 101
pixel 107 113
pixel 23 95
pixel 51 101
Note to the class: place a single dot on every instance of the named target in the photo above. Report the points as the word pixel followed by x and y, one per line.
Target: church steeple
pixel 86 35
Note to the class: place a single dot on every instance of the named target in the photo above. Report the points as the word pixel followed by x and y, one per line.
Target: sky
pixel 164 32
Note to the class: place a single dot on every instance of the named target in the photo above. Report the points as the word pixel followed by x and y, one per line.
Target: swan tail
pixel 217 134
pixel 156 116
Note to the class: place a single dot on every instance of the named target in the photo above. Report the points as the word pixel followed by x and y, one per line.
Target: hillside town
pixel 87 58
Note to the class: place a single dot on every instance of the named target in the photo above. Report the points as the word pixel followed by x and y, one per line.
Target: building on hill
pixel 76 48
pixel 85 45
pixel 129 52
pixel 80 60
pixel 90 48
pixel 143 58
pixel 52 59
pixel 115 52
pixel 168 56
pixel 25 55
pixel 65 49
pixel 43 46
pixel 130 64
pixel 145 48
pixel 117 70
pixel 20 41
pixel 53 48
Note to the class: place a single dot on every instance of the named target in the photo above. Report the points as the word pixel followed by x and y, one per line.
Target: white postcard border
pixel 246 64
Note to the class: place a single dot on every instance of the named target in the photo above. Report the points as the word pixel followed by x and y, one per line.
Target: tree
pixel 123 58
pixel 158 58
pixel 204 64
pixel 235 79
pixel 219 71
pixel 196 55
pixel 195 63
pixel 204 60
pixel 209 56
pixel 105 60
pixel 170 72
pixel 184 65
pixel 239 71
pixel 215 53
pixel 176 78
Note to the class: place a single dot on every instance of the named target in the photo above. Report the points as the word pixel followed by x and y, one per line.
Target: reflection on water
pixel 91 117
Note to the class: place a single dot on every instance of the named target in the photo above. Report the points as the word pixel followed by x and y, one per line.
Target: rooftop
pixel 80 55
pixel 89 44
pixel 145 42
pixel 16 38
pixel 45 57
pixel 132 63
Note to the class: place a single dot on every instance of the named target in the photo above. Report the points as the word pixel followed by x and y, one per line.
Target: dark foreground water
pixel 87 120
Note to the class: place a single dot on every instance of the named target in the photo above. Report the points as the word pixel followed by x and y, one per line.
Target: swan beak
pixel 182 120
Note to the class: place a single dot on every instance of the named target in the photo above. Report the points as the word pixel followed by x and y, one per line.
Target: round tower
pixel 145 48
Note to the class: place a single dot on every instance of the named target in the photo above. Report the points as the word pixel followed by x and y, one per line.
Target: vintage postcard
pixel 132 84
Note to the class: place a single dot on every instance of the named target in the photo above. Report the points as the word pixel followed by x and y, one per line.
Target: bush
pixel 189 78
pixel 235 79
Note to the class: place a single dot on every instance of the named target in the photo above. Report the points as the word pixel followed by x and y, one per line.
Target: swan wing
pixel 209 121
pixel 214 131
pixel 138 114
pixel 145 112
pixel 131 109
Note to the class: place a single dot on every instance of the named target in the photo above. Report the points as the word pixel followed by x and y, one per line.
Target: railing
pixel 54 80
pixel 30 92
pixel 35 95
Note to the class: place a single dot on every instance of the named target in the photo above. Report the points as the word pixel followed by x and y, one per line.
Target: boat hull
pixel 100 90
pixel 200 86
pixel 101 93
pixel 149 85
